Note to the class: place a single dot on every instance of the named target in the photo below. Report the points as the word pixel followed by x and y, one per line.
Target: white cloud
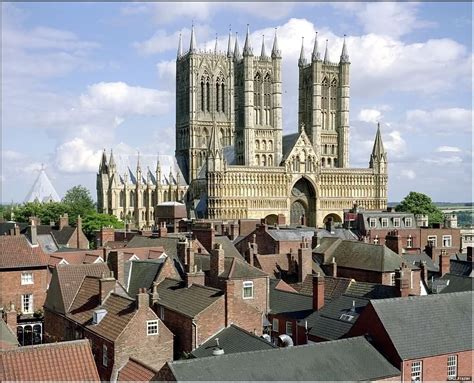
pixel 447 121
pixel 370 115
pixel 77 156
pixel 444 160
pixel 408 173
pixel 448 149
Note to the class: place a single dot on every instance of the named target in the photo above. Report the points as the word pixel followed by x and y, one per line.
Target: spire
pixel 192 44
pixel 111 160
pixel 316 55
pixel 158 170
pixel 229 44
pixel 302 60
pixel 215 46
pixel 180 47
pixel 275 50
pixel 378 148
pixel 103 162
pixel 247 48
pixel 326 54
pixel 138 162
pixel 263 53
pixel 237 55
pixel 344 54
pixel 378 158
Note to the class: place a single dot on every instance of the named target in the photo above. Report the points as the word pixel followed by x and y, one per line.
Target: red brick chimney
pixel 305 260
pixel 163 230
pixel 106 234
pixel 34 233
pixel 205 233
pixel 253 250
pixel 234 231
pixel 63 221
pixel 469 254
pixel 318 292
pixel 11 317
pixel 106 285
pixel 181 249
pixel 155 297
pixel 116 264
pixel 333 267
pixel 229 302
pixel 394 242
pixel 444 263
pixel 401 282
pixel 143 299
pixel 217 262
pixel 78 231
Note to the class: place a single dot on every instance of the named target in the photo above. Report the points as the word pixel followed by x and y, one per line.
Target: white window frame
pixel 408 222
pixel 372 222
pixel 30 304
pixel 105 357
pixel 447 238
pixel 152 327
pixel 392 279
pixel 275 325
pixel 431 238
pixel 384 222
pixel 417 371
pixel 247 285
pixel 289 328
pixel 396 222
pixel 27 278
pixel 409 242
pixel 452 366
pixel 346 317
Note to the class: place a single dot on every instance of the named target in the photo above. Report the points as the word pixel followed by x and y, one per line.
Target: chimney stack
pixel 444 263
pixel 217 262
pixel 234 231
pixel 205 234
pixel 155 297
pixel 163 230
pixel 34 233
pixel 318 292
pixel 63 221
pixel 189 259
pixel 330 225
pixel 11 317
pixel 16 230
pixel 253 249
pixel 394 242
pixel 333 267
pixel 106 285
pixel 78 231
pixel 143 299
pixel 469 254
pixel 181 249
pixel 401 282
pixel 116 264
pixel 305 260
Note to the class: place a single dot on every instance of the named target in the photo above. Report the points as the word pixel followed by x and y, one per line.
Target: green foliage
pixel 95 221
pixel 78 201
pixel 419 203
pixel 465 218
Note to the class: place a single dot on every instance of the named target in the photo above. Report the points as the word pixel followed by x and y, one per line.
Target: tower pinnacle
pixel 180 47
pixel 263 53
pixel 237 55
pixel 316 55
pixel 302 59
pixel 247 47
pixel 275 50
pixel 326 54
pixel 229 44
pixel 344 54
pixel 192 43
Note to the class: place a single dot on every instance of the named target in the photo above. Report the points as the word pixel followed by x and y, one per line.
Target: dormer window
pixel 372 222
pixel 384 222
pixel 396 222
pixel 408 222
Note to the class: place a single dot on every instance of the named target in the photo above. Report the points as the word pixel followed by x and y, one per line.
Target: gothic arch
pixel 303 202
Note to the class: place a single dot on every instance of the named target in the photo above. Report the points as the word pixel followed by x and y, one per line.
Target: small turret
pixel 302 60
pixel 215 46
pixel 326 54
pixel 263 53
pixel 192 43
pixel 378 158
pixel 180 47
pixel 237 55
pixel 158 171
pixel 344 54
pixel 247 46
pixel 139 170
pixel 276 53
pixel 316 55
pixel 229 45
pixel 112 165
pixel 103 167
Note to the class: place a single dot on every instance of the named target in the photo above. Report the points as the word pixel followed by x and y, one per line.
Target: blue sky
pixel 80 77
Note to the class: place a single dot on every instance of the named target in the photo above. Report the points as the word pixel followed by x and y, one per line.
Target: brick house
pixel 117 326
pixel 65 361
pixel 429 338
pixel 23 284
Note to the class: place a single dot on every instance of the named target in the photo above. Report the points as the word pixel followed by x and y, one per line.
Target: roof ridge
pixel 46 345
pixel 415 297
pixel 247 332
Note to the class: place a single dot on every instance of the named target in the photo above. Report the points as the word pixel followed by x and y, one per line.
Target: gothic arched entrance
pixel 303 203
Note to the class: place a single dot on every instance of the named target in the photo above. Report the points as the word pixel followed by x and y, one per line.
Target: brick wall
pixel 210 321
pixel 165 374
pixel 167 271
pixel 182 328
pixel 11 288
pixel 297 334
pixel 54 327
pixel 83 241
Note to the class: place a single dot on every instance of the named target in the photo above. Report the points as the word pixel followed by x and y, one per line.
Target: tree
pixel 95 221
pixel 419 203
pixel 28 209
pixel 78 201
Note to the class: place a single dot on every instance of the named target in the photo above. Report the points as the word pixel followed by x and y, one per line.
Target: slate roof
pixel 356 360
pixel 141 274
pixel 232 339
pixel 8 339
pixel 228 247
pixel 338 233
pixel 291 304
pixel 457 283
pixel 49 362
pixel 66 281
pixel 290 234
pixel 189 301
pixel 461 268
pixel 236 268
pixel 422 326
pixel 5 227
pixel 61 237
pixel 136 371
pixel 326 243
pixel 390 215
pixel 416 259
pixel 17 252
pixel 370 290
pixel 288 142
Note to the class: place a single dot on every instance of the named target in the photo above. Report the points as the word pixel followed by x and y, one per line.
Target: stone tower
pixel 323 109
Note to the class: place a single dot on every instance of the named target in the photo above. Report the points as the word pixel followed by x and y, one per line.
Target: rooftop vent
pixel 267 337
pixel 98 315
pixel 217 350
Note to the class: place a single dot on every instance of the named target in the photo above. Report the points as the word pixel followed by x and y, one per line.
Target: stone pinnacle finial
pixel 192 43
pixel 237 55
pixel 180 46
pixel 344 54
pixel 247 47
pixel 275 50
pixel 302 59
pixel 326 53
pixel 229 44
pixel 316 55
pixel 263 53
pixel 215 46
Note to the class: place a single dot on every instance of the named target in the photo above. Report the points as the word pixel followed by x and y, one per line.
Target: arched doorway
pixel 303 203
pixel 271 219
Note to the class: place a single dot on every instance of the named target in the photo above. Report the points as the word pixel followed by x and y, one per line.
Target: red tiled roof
pixel 273 263
pixel 49 362
pixel 16 251
pixel 333 286
pixel 283 286
pixel 75 257
pixel 136 371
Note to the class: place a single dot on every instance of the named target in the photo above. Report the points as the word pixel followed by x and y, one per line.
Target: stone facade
pixel 236 163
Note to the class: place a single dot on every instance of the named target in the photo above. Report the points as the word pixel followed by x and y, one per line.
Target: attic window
pixel 407 222
pixel 384 222
pixel 372 222
pixel 346 317
pixel 396 222
pixel 152 327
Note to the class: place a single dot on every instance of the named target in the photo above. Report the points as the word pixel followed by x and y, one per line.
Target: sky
pixel 81 77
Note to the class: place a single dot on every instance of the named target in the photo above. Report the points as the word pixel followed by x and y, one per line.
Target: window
pixel 105 357
pixel 152 327
pixel 162 313
pixel 392 279
pixel 26 278
pixel 396 222
pixel 384 222
pixel 289 328
pixel 27 303
pixel 409 242
pixel 447 241
pixel 416 371
pixel 432 240
pixel 248 290
pixel 275 325
pixel 452 366
pixel 372 222
pixel 407 222
pixel 346 317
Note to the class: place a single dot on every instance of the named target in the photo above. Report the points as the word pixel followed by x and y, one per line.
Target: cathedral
pixel 232 160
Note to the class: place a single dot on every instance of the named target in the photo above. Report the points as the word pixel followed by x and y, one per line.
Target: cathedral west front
pixel 232 160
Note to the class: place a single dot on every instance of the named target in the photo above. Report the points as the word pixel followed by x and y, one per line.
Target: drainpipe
pixel 195 333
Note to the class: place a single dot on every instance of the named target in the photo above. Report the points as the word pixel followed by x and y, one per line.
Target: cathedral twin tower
pixel 231 155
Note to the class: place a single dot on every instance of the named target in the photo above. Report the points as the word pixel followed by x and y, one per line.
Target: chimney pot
pixel 318 292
